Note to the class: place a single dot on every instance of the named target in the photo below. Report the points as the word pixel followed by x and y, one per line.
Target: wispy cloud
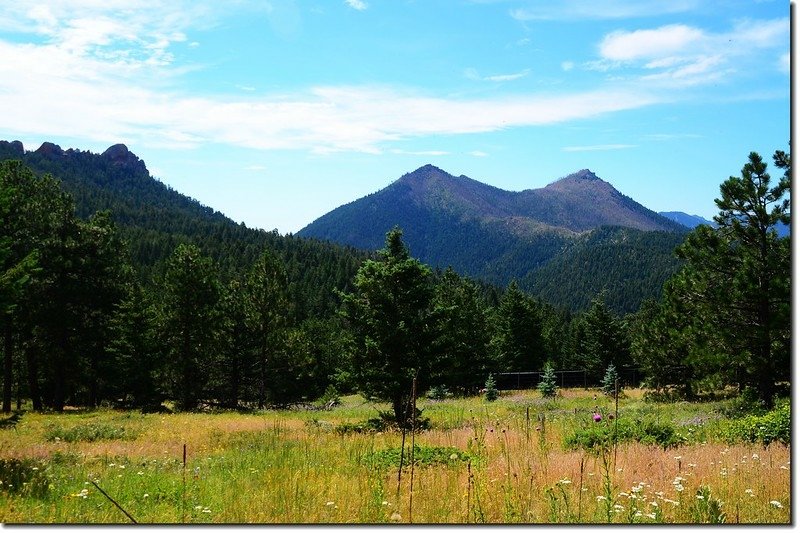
pixel 478 153
pixel 359 5
pixel 473 74
pixel 597 147
pixel 434 153
pixel 685 55
pixel 599 9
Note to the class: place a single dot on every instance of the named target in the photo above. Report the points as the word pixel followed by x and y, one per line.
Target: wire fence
pixel 628 377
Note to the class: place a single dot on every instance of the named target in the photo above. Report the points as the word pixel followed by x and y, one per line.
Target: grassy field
pixel 500 462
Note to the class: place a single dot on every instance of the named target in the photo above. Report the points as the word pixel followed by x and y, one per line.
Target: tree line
pixel 84 324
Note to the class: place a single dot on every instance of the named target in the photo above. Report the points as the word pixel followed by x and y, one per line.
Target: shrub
pixel 423 456
pixel 776 425
pixel 329 399
pixel 88 433
pixel 490 391
pixel 597 436
pixel 439 392
pixel 548 386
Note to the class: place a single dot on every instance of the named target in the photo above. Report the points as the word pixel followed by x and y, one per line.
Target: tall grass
pixel 508 463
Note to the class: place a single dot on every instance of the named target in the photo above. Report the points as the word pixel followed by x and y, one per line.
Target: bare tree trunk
pixel 8 364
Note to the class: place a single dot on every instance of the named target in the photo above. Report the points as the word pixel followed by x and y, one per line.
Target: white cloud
pixel 472 74
pixel 648 44
pixel 597 147
pixel 107 100
pixel 434 153
pixel 478 153
pixel 566 66
pixel 684 55
pixel 359 5
pixel 599 9
pixel 785 63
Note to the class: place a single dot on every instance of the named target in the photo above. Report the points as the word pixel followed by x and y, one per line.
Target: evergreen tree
pixel 135 348
pixel 190 295
pixel 267 312
pixel 548 385
pixel 609 383
pixel 490 392
pixel 389 314
pixel 735 287
pixel 518 343
pixel 601 339
pixel 463 334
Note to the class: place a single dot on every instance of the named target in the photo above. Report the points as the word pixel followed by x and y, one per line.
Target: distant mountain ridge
pixel 500 235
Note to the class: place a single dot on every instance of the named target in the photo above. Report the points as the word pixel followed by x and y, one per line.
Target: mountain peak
pixel 49 149
pixel 585 174
pixel 119 155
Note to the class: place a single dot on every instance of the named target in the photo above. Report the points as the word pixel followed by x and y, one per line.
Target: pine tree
pixel 490 392
pixel 610 379
pixel 547 386
pixel 390 315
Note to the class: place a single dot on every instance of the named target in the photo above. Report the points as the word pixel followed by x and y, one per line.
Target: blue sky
pixel 275 112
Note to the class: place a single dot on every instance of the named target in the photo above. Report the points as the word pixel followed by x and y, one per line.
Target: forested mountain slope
pixel 571 230
pixel 154 219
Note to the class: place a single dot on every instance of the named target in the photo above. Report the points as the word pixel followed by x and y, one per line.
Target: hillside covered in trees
pixel 174 303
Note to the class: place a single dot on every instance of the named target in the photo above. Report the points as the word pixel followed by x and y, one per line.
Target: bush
pixel 597 436
pixel 776 425
pixel 438 392
pixel 88 433
pixel 423 456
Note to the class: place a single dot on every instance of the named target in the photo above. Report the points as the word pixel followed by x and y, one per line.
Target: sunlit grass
pixel 293 467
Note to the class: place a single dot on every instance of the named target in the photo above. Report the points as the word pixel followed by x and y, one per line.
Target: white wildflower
pixel 776 504
pixel 600 498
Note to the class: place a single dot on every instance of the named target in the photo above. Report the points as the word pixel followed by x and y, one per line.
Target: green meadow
pixel 520 459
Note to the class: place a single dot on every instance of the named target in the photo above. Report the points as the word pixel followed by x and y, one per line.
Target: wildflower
pixel 395 517
pixel 597 417
pixel 755 457
pixel 750 492
pixel 678 457
pixel 723 472
pixel 700 497
pixel 329 504
pixel 638 514
pixel 384 502
pixel 564 481
pixel 600 498
pixel 654 503
pixel 146 495
pixel 784 467
pixel 139 473
pixel 112 464
pixel 206 510
pixel 618 508
pixel 679 487
pixel 651 516
pixel 776 504
pixel 453 456
pixel 692 465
